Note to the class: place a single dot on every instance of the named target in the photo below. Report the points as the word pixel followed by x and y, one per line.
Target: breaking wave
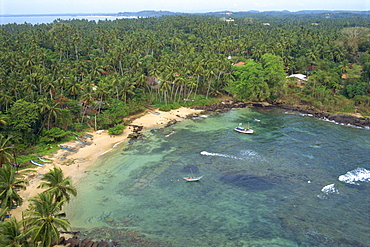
pixel 329 189
pixel 357 175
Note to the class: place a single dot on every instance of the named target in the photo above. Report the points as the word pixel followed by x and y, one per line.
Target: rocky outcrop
pixel 339 117
pixel 75 242
pixel 136 132
pixel 226 105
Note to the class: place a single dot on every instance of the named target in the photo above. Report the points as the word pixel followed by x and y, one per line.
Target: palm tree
pixel 50 109
pixel 58 186
pixel 12 233
pixel 10 184
pixel 43 220
pixel 3 120
pixel 54 111
pixel 5 100
pixel 5 150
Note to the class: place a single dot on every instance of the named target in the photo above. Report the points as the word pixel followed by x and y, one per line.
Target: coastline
pixel 75 163
pixel 354 119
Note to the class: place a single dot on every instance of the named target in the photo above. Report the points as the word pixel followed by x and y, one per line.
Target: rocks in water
pixel 248 182
pixel 109 220
pixel 72 242
pixel 136 135
pixel 87 242
pixel 339 118
pixel 344 118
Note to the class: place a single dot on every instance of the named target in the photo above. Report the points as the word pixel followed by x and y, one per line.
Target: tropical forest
pixel 74 75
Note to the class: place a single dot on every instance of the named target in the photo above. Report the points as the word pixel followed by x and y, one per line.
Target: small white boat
pixel 192 179
pixel 257 120
pixel 243 130
pixel 36 163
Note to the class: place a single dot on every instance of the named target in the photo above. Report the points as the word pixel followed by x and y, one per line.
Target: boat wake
pixel 220 155
pixel 355 176
pixel 246 153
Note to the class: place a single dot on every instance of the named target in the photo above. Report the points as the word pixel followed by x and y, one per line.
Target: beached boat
pixel 90 136
pixel 243 130
pixel 80 141
pixel 36 163
pixel 69 149
pixel 5 217
pixel 192 179
pixel 45 160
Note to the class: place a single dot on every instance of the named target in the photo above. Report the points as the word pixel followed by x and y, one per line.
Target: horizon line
pixel 197 12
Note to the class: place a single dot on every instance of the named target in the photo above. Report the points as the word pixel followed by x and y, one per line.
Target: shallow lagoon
pixel 277 187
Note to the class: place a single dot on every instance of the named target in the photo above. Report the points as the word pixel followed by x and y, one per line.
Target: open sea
pixel 39 19
pixel 297 181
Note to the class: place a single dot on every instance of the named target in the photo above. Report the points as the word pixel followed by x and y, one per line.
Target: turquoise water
pixel 297 181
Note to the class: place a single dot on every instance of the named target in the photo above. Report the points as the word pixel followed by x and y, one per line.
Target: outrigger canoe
pixel 79 140
pixel 36 163
pixel 192 179
pixel 69 149
pixel 45 160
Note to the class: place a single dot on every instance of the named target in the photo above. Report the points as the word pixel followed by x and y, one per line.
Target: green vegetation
pixel 68 76
pixel 42 221
pixel 73 75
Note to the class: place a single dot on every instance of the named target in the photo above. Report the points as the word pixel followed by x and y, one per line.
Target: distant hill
pixel 226 13
pixel 149 13
pixel 256 13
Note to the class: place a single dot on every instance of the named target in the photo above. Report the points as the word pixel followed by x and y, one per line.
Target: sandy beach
pixel 76 162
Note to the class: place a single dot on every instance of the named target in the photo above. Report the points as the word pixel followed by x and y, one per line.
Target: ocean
pixel 297 181
pixel 39 19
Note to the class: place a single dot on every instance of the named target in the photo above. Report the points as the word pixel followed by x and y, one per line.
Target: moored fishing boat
pixel 243 130
pixel 192 179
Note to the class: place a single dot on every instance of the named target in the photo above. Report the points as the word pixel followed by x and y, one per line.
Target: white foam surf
pixel 357 175
pixel 329 189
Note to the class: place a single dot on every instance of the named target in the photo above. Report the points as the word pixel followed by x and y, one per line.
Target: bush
pixel 169 107
pixel 347 108
pixel 116 130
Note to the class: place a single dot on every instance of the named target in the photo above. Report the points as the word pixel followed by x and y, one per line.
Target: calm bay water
pixel 297 181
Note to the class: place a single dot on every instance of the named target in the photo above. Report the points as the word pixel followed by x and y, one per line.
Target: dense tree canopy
pixel 62 76
pixel 68 75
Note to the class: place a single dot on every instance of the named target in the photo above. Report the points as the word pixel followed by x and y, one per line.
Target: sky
pixel 186 6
